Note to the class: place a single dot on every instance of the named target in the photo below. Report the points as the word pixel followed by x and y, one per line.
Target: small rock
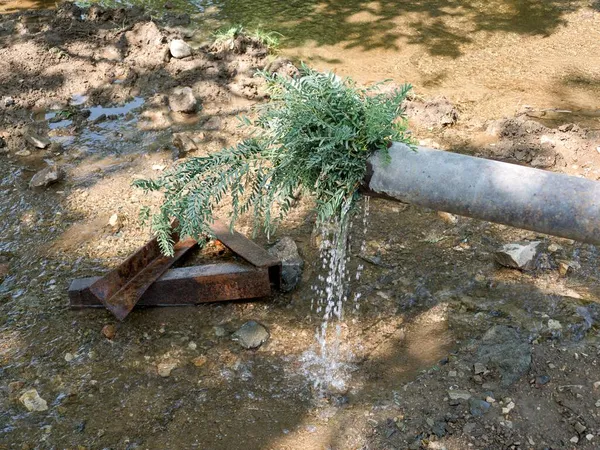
pixel 8 101
pixel 251 335
pixel 456 394
pixel 23 153
pixel 439 429
pixel 452 374
pixel 542 380
pixel 199 361
pixel 518 256
pixel 159 167
pixel 598 404
pixel 579 427
pixel 69 357
pixel 589 436
pixel 574 440
pixel 115 222
pixel 37 141
pixel 554 325
pixel 183 100
pixel 32 401
pixel 179 49
pixel 192 346
pixel 212 124
pixel 291 263
pixel 220 331
pixel 109 331
pixel 477 407
pixel 479 368
pixel 165 369
pixel 490 399
pixel 596 383
pixel 553 248
pixel 47 176
pixel 184 143
pixel 508 408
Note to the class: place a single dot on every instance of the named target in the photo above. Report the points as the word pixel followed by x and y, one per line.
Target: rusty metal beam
pixel 248 250
pixel 120 289
pixel 188 286
pixel 522 197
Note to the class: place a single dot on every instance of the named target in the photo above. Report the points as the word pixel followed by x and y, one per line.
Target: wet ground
pixel 430 290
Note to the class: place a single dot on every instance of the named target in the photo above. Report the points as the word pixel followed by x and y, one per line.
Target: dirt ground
pixel 448 349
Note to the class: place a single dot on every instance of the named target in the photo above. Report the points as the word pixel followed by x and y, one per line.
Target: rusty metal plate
pixel 188 286
pixel 121 288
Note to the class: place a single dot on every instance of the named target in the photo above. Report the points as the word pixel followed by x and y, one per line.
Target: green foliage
pixel 313 137
pixel 270 39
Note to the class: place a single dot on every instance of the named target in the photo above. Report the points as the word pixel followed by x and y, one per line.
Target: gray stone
pixel 182 100
pixel 212 124
pixel 179 49
pixel 291 263
pixel 479 368
pixel 503 348
pixel 37 141
pixel 47 176
pixel 8 101
pixel 184 143
pixel 251 335
pixel 518 256
pixel 457 394
pixel 478 407
pixel 32 401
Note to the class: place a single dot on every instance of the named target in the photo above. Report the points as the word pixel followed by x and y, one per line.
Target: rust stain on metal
pixel 121 288
pixel 189 286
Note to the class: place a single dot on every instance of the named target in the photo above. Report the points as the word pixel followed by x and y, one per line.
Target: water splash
pixel 328 365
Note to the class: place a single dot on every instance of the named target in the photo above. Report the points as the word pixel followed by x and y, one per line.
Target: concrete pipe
pixel 522 197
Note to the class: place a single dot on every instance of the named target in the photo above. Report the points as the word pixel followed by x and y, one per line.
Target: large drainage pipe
pixel 522 197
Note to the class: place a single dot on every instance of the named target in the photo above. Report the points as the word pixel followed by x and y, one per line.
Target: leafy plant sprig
pixel 313 137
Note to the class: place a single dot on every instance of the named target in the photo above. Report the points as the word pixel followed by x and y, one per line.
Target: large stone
pixel 47 176
pixel 32 401
pixel 503 348
pixel 251 335
pixel 182 100
pixel 37 141
pixel 179 49
pixel 291 263
pixel 518 256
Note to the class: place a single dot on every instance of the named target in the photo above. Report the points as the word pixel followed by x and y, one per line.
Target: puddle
pixel 98 111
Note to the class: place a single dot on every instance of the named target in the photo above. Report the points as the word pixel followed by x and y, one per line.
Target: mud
pixel 173 377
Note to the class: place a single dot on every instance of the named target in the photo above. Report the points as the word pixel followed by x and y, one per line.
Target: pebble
pixel 212 124
pixel 109 331
pixel 183 100
pixel 579 427
pixel 450 219
pixel 179 49
pixel 115 221
pixel 574 440
pixel 518 256
pixel 490 399
pixel 553 248
pixel 598 404
pixel 9 101
pixel 192 346
pixel 554 325
pixel 251 335
pixel 47 176
pixel 159 167
pixel 23 153
pixel 596 384
pixel 456 394
pixel 477 407
pixel 69 357
pixel 164 369
pixel 589 437
pixel 508 408
pixel 37 141
pixel 32 401
pixel 220 331
pixel 453 374
pixel 479 368
pixel 542 380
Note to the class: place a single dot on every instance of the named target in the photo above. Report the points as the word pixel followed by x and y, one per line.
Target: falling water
pixel 328 364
